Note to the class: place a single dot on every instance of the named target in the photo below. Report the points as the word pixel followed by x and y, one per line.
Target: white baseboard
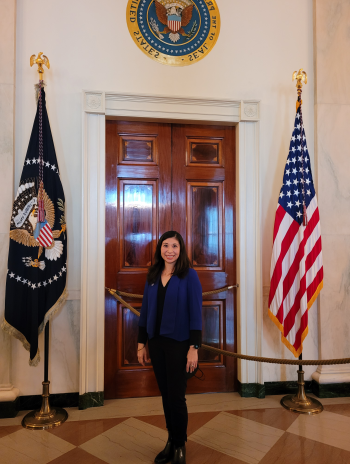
pixel 332 374
pixel 8 392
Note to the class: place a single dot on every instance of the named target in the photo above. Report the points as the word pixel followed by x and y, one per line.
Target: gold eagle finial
pixel 301 77
pixel 40 61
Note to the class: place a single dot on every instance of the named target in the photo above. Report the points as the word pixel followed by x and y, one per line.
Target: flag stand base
pixel 300 403
pixel 46 417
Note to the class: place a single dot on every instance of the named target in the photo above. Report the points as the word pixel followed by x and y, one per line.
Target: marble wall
pixel 7 119
pixel 16 377
pixel 63 357
pixel 332 110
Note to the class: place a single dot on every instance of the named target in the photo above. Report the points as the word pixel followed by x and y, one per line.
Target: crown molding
pixel 129 105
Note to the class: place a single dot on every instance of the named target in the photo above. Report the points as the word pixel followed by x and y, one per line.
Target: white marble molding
pixel 7 114
pixel 332 115
pixel 245 115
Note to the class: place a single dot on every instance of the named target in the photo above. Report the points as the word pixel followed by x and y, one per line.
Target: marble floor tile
pixel 153 406
pixel 156 421
pixel 229 402
pixel 80 432
pixel 327 427
pixel 238 437
pixel 195 420
pixel 78 456
pixel 32 447
pixel 199 454
pixel 278 418
pixel 293 449
pixel 119 408
pixel 343 409
pixel 327 401
pixel 13 420
pixel 131 442
pixel 9 429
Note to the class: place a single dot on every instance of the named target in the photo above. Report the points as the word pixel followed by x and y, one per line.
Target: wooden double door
pixel 162 177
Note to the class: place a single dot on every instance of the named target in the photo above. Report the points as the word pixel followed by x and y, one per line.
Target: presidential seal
pixel 174 32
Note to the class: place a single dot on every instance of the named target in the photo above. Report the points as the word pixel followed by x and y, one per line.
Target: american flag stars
pixel 296 174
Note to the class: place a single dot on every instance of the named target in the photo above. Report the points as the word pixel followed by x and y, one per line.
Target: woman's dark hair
pixel 182 264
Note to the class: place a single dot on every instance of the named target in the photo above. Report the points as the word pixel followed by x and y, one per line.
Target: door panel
pixel 159 177
pixel 203 186
pixel 138 223
pixel 212 331
pixel 138 194
pixel 204 224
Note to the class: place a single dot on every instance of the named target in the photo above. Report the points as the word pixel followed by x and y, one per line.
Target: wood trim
pixel 189 215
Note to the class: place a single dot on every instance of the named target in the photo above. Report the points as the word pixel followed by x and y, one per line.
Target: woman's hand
pixel 142 354
pixel 192 359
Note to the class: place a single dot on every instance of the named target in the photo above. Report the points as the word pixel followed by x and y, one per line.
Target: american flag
pixel 45 237
pixel 296 263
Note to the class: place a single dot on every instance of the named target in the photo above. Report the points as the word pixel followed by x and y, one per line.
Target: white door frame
pixel 245 115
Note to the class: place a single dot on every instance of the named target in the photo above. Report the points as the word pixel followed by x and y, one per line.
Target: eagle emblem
pixel 174 15
pixel 174 32
pixel 26 229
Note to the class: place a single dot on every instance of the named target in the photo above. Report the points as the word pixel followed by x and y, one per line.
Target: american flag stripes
pixel 45 236
pixel 296 263
pixel 174 23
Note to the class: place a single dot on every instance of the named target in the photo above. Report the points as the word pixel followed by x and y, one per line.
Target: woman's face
pixel 170 250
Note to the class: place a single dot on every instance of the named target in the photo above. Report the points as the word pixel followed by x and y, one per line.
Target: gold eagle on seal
pixel 174 15
pixel 23 233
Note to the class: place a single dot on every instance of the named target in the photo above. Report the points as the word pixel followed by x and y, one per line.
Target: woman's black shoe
pixel 179 455
pixel 168 452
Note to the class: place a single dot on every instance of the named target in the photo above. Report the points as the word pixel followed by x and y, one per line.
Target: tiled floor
pixel 223 429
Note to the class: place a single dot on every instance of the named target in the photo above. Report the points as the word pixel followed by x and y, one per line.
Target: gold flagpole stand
pixel 300 403
pixel 46 417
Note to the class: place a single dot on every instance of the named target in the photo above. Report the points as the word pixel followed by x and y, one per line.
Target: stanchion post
pixel 300 403
pixel 46 417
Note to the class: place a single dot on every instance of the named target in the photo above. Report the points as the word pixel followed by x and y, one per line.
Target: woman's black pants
pixel 169 359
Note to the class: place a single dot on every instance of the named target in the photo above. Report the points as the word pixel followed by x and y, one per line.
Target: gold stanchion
pixel 46 417
pixel 301 403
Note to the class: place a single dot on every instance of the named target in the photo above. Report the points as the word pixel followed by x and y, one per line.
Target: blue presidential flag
pixel 37 261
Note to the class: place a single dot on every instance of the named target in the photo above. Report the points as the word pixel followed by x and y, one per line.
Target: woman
pixel 171 321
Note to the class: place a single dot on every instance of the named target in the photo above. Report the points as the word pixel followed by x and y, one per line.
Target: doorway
pixel 163 177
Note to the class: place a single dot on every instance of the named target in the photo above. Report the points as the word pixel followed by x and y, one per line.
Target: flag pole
pixel 300 403
pixel 46 417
